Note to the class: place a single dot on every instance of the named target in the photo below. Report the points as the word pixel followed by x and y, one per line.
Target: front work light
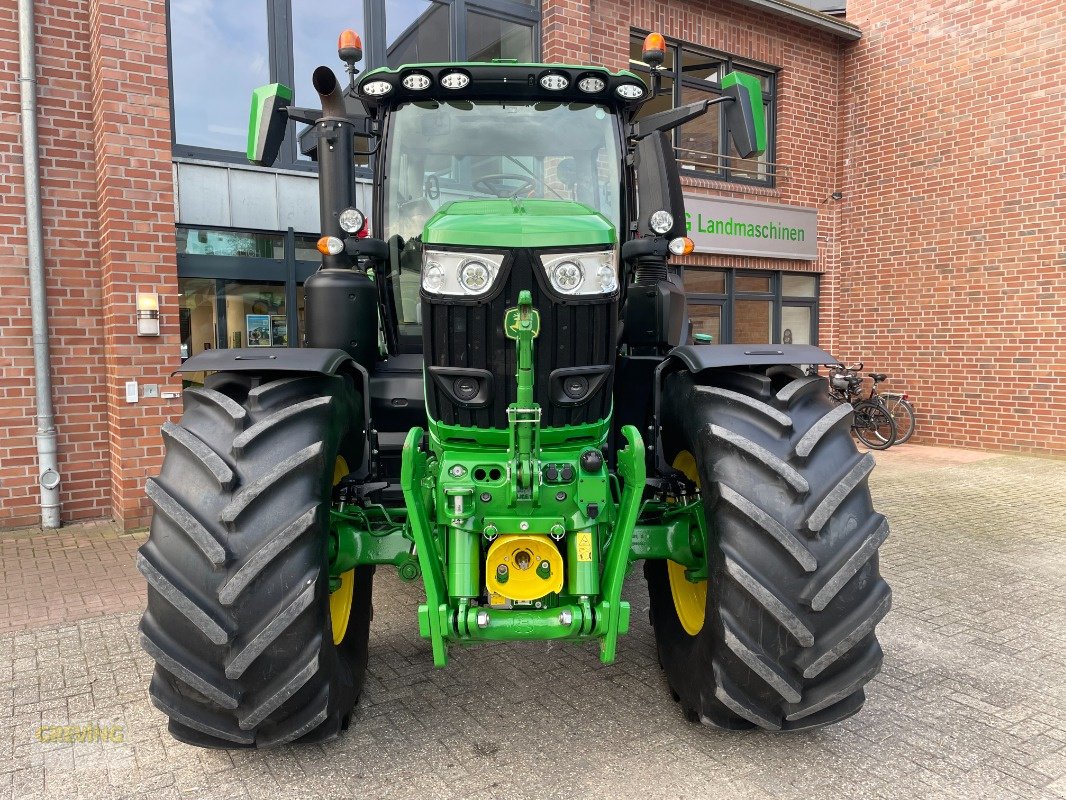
pixel 455 80
pixel 377 88
pixel 554 82
pixel 591 84
pixel 661 221
pixel 630 91
pixel 351 220
pixel 416 81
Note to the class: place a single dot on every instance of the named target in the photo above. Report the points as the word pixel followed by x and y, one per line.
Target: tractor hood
pixel 518 223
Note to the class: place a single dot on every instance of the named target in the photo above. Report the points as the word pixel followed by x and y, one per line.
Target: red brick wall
pixel 73 279
pixel 808 107
pixel 108 222
pixel 953 227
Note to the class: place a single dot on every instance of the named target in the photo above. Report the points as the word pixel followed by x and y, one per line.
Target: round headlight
pixel 554 82
pixel 455 80
pixel 416 81
pixel 474 276
pixel 433 277
pixel 591 84
pixel 376 88
pixel 661 221
pixel 567 277
pixel 351 220
pixel 630 91
pixel 606 279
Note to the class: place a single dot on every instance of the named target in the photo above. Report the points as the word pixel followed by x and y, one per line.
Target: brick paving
pixel 971 702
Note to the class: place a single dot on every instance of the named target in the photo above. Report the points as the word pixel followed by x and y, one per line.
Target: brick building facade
pixel 940 243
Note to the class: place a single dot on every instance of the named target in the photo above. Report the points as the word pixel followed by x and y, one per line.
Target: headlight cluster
pixel 582 273
pixel 447 272
pixel 472 274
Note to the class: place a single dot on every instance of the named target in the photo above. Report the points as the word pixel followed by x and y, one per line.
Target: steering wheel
pixel 492 184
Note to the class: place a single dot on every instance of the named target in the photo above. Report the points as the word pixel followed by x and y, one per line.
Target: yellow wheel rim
pixel 340 601
pixel 690 599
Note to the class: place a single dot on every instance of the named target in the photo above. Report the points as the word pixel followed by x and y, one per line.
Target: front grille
pixel 469 334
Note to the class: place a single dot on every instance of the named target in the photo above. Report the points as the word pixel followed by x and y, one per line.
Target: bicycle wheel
pixel 873 425
pixel 903 414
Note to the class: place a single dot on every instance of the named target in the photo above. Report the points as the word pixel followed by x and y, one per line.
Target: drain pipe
pixel 42 362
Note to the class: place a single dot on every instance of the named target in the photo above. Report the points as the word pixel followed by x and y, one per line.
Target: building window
pixel 221 52
pixel 691 74
pixel 242 288
pixel 743 307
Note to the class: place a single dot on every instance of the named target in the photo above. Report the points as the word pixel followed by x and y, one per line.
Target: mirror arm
pixel 672 118
pixel 308 115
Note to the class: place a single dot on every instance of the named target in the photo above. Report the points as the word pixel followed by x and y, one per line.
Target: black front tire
pixel 793 595
pixel 236 562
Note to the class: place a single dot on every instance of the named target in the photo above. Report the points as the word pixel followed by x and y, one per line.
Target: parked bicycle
pixel 873 424
pixel 898 406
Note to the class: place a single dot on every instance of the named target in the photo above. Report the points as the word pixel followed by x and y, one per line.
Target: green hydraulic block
pixel 464 563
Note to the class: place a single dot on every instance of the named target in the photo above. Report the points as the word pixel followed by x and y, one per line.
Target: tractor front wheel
pixel 781 634
pixel 249 647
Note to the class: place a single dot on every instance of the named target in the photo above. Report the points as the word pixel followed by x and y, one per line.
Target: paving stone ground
pixel 971 702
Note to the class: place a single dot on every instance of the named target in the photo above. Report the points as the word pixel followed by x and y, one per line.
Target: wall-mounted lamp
pixel 147 314
pixel 837 196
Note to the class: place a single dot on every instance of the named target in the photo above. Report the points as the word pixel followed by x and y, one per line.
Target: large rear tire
pixel 238 618
pixel 786 639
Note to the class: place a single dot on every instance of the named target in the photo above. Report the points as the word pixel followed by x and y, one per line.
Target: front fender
pixel 698 357
pixel 321 360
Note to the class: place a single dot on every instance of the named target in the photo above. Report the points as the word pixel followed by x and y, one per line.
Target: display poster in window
pixel 279 331
pixel 257 328
pixel 750 228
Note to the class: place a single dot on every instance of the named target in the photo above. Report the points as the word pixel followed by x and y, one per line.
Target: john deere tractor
pixel 497 397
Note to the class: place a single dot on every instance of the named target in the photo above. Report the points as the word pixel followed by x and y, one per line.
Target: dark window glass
pixel 706 319
pixel 315 28
pixel 752 283
pixel 793 285
pixel 416 32
pixel 698 140
pixel 704 281
pixel 197 242
pixel 488 38
pixel 796 324
pixel 219 55
pixel 752 321
pixel 700 67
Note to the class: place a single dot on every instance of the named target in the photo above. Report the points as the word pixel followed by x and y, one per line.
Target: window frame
pixel 728 63
pixel 727 300
pixel 281 62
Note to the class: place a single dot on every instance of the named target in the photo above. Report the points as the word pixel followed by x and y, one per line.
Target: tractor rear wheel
pixel 781 635
pixel 249 646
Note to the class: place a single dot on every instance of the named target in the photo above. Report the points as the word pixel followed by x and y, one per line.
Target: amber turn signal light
pixel 682 246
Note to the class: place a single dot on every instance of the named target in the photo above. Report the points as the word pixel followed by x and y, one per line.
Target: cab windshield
pixel 440 151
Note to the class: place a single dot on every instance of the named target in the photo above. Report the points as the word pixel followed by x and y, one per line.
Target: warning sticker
pixel 584 546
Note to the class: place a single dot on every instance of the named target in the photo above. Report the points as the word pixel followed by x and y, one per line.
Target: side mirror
pixel 745 116
pixel 267 123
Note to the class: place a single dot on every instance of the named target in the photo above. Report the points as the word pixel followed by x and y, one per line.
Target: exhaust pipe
pixel 329 90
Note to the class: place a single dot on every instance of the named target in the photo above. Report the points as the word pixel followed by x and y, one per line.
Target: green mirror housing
pixel 267 123
pixel 746 116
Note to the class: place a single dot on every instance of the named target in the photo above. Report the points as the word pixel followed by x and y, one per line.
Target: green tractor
pixel 497 398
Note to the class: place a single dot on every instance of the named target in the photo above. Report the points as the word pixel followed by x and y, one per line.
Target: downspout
pixel 42 363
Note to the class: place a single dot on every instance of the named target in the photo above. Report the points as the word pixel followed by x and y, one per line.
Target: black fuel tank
pixel 341 311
